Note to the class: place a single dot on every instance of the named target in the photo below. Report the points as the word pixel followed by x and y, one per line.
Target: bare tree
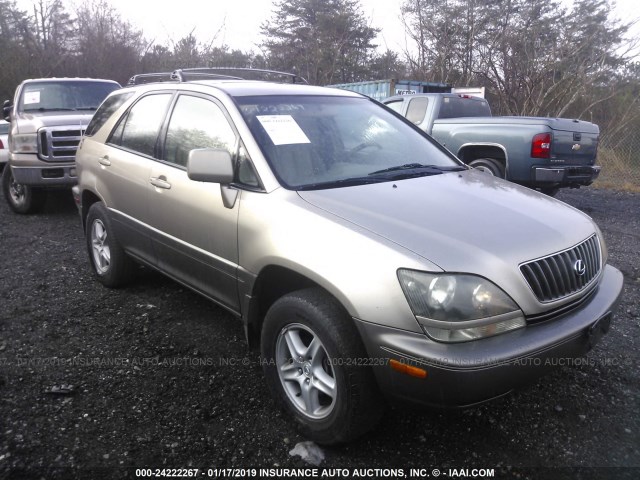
pixel 107 46
pixel 52 36
pixel 535 56
pixel 14 29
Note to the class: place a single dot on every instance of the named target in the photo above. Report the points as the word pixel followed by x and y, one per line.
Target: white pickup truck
pixel 47 117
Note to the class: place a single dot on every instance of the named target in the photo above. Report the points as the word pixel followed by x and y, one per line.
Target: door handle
pixel 104 161
pixel 160 182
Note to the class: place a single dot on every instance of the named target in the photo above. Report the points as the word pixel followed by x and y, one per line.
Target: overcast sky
pixel 241 19
pixel 237 22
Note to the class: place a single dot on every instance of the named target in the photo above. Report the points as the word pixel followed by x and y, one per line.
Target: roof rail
pixel 150 78
pixel 235 73
pixel 189 74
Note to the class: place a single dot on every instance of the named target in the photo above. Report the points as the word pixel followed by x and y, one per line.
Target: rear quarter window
pixel 108 108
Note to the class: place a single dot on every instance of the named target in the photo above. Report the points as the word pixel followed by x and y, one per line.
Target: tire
pixel 488 165
pixel 112 266
pixel 22 199
pixel 331 403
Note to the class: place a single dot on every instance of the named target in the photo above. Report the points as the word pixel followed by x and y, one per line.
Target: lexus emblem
pixel 579 267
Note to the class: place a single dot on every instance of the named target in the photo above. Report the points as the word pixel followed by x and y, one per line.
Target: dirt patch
pixel 97 383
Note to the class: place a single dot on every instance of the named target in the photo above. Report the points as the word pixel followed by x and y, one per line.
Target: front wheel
pixel 488 165
pixel 111 264
pixel 310 350
pixel 21 198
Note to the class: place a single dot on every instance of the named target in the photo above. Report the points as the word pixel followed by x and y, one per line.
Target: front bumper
pixel 565 176
pixel 46 176
pixel 465 374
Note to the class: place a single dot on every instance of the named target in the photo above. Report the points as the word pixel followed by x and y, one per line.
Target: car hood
pixel 461 221
pixel 31 122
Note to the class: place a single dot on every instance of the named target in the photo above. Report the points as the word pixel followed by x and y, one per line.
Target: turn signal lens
pixel 408 369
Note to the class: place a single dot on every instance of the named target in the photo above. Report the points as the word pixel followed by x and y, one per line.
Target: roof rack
pixel 150 78
pixel 188 74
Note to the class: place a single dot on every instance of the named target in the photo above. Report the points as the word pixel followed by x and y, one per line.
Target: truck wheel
pixel 488 165
pixel 309 346
pixel 110 263
pixel 21 198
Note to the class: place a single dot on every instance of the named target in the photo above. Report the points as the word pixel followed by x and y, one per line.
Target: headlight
pixel 458 307
pixel 25 143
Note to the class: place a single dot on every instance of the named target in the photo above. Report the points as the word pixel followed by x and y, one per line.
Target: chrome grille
pixel 564 273
pixel 58 144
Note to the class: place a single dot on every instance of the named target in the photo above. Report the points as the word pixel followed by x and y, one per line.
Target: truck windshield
pixel 64 95
pixel 328 142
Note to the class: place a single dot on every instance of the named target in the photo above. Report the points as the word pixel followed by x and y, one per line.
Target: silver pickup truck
pixel 542 153
pixel 48 117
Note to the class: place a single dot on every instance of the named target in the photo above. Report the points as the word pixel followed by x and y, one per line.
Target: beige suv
pixel 366 261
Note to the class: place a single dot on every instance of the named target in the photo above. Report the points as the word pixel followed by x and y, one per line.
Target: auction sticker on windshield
pixel 283 129
pixel 32 97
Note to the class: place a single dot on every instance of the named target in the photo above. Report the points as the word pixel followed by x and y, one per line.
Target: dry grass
pixel 620 170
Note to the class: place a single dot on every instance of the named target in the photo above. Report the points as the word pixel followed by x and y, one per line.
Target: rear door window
pixel 139 127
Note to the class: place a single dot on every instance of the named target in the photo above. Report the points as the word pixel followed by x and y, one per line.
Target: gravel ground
pixel 96 383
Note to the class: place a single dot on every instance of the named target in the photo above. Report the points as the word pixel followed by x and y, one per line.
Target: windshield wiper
pixel 87 108
pixel 42 109
pixel 343 182
pixel 434 169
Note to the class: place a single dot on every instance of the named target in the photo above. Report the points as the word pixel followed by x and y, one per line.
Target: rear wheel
pixel 488 165
pixel 111 264
pixel 21 198
pixel 310 347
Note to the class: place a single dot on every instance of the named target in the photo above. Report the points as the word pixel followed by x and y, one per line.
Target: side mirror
pixel 210 165
pixel 6 110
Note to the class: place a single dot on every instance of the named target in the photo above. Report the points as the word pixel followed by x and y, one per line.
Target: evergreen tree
pixel 325 41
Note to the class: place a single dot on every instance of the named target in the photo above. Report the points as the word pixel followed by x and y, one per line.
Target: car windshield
pixel 314 142
pixel 64 95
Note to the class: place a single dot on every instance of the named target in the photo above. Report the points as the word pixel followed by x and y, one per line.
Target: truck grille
pixel 59 144
pixel 564 273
